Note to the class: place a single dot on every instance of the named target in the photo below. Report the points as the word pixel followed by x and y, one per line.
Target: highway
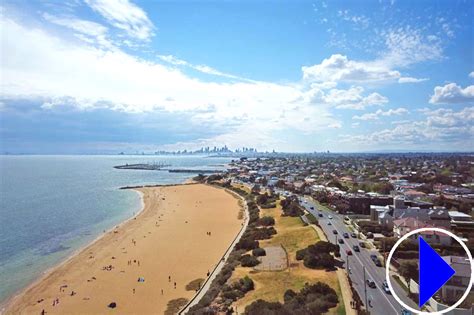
pixel 380 302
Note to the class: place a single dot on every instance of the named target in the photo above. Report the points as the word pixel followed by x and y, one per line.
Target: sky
pixel 106 76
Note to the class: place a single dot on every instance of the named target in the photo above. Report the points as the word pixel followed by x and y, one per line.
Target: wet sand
pixel 167 243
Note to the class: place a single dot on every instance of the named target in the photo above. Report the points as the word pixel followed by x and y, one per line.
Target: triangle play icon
pixel 434 271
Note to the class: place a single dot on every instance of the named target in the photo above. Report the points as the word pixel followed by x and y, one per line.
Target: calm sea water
pixel 50 206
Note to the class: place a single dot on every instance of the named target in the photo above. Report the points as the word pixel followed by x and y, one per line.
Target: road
pixel 382 303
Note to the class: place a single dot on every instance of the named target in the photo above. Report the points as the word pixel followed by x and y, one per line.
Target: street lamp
pixel 365 291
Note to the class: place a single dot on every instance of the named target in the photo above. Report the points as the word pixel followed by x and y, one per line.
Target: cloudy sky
pixel 104 76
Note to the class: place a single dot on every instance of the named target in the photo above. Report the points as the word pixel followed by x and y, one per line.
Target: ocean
pixel 51 206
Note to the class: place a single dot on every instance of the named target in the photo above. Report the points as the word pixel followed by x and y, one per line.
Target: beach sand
pixel 167 239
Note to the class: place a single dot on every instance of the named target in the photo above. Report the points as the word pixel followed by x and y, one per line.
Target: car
pixel 340 241
pixel 356 248
pixel 406 312
pixel 362 244
pixel 385 287
pixel 354 235
pixel 378 263
pixel 373 257
pixel 334 232
pixel 329 223
pixel 346 235
pixel 349 252
pixel 320 215
pixel 312 208
pixel 370 283
pixel 329 217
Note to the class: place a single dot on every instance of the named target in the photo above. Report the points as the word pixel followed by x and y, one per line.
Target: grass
pixel 270 286
pixel 311 218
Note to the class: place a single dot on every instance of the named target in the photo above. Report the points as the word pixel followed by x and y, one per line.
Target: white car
pixel 329 217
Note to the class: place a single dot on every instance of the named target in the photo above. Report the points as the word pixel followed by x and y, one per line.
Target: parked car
pixel 406 312
pixel 340 241
pixel 329 217
pixel 346 235
pixel 312 208
pixel 329 223
pixel 354 235
pixel 385 287
pixel 356 248
pixel 334 232
pixel 371 283
pixel 362 244
pixel 373 257
pixel 370 235
pixel 378 263
pixel 348 252
pixel 320 215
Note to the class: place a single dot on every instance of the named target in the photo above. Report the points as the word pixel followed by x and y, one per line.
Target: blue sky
pixel 98 76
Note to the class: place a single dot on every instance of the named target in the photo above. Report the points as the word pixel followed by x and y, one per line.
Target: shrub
pixel 291 207
pixel 266 221
pixel 249 261
pixel 258 252
pixel 318 255
pixel 246 244
pixel 261 307
pixel 312 299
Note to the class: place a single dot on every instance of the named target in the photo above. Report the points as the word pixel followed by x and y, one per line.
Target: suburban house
pixel 456 286
pixel 405 225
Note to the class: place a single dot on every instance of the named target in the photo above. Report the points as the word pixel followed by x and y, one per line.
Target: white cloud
pixel 403 47
pixel 339 68
pixel 471 75
pixel 126 16
pixel 201 68
pixel 37 65
pixel 358 20
pixel 88 31
pixel 451 93
pixel 407 46
pixel 440 127
pixel 376 115
pixel 411 80
pixel 352 98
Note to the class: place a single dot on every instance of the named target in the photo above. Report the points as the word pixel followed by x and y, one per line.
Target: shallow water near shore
pixel 51 206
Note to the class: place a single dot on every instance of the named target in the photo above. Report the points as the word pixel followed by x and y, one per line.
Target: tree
pixel 408 270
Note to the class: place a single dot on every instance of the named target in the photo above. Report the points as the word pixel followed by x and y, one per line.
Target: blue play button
pixel 434 271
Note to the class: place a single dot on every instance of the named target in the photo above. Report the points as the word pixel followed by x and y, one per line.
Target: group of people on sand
pixel 208 233
pixel 108 268
pixel 130 262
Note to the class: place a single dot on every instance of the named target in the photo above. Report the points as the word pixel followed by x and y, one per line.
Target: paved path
pixel 221 263
pixel 274 260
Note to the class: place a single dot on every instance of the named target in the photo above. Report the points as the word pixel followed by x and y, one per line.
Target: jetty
pixel 142 166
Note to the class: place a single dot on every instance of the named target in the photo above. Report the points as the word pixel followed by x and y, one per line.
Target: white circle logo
pixel 418 231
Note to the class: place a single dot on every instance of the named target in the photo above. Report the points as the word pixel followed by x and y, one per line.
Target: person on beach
pixel 169 278
pixel 175 285
pixel 161 291
pixel 133 290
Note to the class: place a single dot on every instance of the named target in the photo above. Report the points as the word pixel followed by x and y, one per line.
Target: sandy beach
pixel 180 235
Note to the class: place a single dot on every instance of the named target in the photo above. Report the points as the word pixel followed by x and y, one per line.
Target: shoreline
pixel 8 302
pixel 20 295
